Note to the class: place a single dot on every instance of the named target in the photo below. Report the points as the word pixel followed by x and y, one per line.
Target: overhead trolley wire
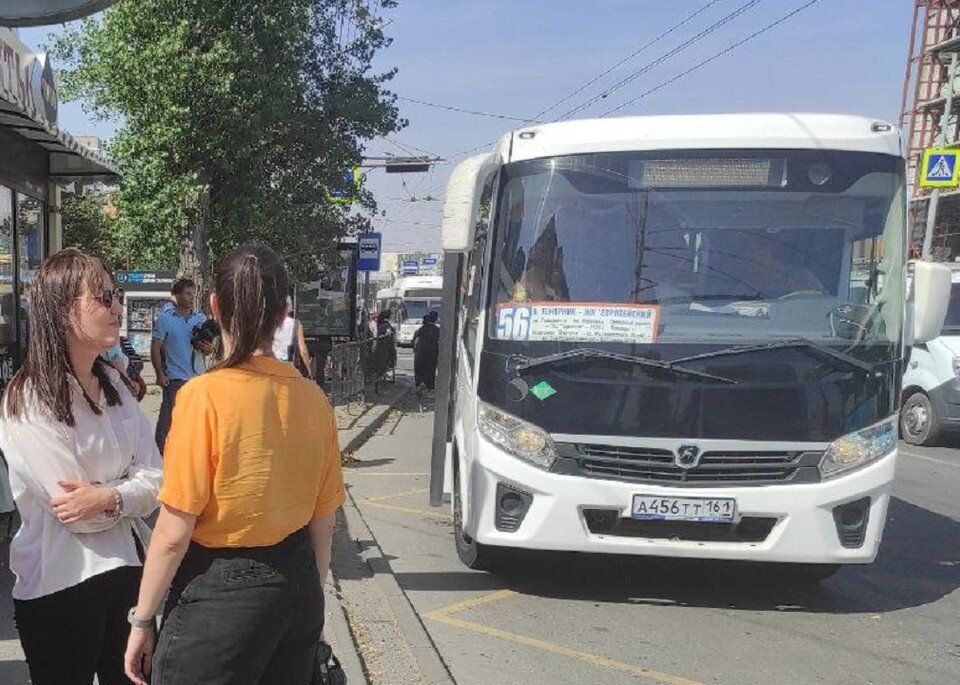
pixel 710 59
pixel 742 9
pixel 626 59
pixel 462 110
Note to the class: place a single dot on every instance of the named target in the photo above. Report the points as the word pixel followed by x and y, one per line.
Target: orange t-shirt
pixel 253 453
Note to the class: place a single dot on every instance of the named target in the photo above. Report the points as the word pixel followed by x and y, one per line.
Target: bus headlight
pixel 860 448
pixel 516 436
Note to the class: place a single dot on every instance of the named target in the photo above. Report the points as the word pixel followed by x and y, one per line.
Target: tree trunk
pixel 195 248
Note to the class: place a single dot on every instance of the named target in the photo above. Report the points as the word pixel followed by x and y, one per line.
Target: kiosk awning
pixel 69 160
pixel 29 106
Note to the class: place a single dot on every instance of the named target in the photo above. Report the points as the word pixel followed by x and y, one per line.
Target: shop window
pixel 30 237
pixel 7 301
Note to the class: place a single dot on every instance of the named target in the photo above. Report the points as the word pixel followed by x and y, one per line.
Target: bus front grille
pixel 658 466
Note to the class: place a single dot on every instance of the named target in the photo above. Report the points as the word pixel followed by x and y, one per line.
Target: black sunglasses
pixel 107 297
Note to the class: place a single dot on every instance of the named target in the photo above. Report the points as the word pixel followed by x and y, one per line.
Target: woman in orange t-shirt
pixel 251 484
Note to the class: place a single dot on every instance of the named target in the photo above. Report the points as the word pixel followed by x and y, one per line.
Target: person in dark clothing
pixel 134 367
pixel 426 353
pixel 386 347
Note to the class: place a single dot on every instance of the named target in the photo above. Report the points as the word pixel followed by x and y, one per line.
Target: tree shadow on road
pixel 919 564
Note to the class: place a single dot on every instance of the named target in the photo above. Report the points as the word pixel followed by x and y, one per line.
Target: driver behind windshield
pixel 773 269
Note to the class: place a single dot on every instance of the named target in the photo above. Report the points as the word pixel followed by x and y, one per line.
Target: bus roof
pixel 702 131
pixel 417 283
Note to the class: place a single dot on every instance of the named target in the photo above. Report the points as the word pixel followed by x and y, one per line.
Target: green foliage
pixel 256 106
pixel 90 224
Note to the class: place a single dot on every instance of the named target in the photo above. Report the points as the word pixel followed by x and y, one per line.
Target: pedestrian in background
pixel 426 353
pixel 386 343
pixel 124 358
pixel 251 483
pixel 84 470
pixel 289 344
pixel 172 350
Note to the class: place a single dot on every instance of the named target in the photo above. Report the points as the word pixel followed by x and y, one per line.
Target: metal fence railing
pixel 354 366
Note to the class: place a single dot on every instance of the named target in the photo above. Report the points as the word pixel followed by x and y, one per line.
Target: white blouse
pixel 115 449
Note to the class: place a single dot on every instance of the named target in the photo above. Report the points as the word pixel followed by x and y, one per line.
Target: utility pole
pixel 940 142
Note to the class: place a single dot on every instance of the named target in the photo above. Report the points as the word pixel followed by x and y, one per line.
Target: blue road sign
pixel 410 268
pixel 368 248
pixel 429 261
pixel 352 180
pixel 939 168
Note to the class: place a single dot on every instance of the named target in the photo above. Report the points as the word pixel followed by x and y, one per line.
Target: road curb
pixel 418 641
pixel 357 534
pixel 338 636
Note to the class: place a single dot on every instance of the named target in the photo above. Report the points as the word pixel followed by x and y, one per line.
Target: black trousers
pixel 250 616
pixel 166 412
pixel 72 635
pixel 425 368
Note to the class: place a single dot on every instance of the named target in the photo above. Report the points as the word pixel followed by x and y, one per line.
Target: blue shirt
pixel 175 332
pixel 114 353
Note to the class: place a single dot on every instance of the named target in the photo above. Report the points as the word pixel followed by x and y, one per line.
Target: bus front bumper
pixel 775 523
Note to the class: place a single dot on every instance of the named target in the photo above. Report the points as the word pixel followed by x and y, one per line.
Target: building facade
pixel 36 158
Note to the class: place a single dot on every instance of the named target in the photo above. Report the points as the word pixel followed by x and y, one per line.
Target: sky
pixel 515 58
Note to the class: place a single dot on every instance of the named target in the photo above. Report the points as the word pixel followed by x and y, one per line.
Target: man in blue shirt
pixel 172 350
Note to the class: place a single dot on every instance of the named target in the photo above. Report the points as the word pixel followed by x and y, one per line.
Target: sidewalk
pixel 356 422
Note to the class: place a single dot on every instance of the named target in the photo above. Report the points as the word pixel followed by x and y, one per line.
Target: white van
pixel 931 383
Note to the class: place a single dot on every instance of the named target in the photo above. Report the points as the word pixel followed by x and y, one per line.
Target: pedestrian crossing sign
pixel 939 168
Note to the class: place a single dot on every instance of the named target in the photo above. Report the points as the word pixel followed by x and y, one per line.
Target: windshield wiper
pixel 523 364
pixel 798 343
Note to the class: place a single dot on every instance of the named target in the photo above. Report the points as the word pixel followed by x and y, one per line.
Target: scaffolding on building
pixel 931 119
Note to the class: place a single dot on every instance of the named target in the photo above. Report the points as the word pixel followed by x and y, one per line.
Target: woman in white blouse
pixel 84 471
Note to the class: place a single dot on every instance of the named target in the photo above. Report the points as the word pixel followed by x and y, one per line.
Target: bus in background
pixel 679 336
pixel 409 299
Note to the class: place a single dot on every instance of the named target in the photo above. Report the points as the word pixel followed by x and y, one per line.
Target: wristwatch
pixel 142 623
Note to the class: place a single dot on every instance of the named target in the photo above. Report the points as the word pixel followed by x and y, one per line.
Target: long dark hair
pixel 251 284
pixel 46 369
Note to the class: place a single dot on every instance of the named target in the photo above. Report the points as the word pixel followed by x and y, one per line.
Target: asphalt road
pixel 598 619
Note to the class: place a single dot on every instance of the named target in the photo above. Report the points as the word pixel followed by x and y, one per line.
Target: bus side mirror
pixel 931 295
pixel 462 201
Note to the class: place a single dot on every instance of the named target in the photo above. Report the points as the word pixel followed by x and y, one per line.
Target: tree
pixel 237 117
pixel 90 222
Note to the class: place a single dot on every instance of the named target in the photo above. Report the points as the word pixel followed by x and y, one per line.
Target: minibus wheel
pixel 471 553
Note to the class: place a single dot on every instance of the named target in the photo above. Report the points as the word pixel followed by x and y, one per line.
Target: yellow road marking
pixel 379 503
pixel 475 602
pixel 359 472
pixel 381 498
pixel 410 510
pixel 446 616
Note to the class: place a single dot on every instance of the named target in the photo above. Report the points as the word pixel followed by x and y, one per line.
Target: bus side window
pixel 474 272
pixel 472 302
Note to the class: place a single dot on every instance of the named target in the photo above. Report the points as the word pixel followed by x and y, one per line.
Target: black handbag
pixel 327 669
